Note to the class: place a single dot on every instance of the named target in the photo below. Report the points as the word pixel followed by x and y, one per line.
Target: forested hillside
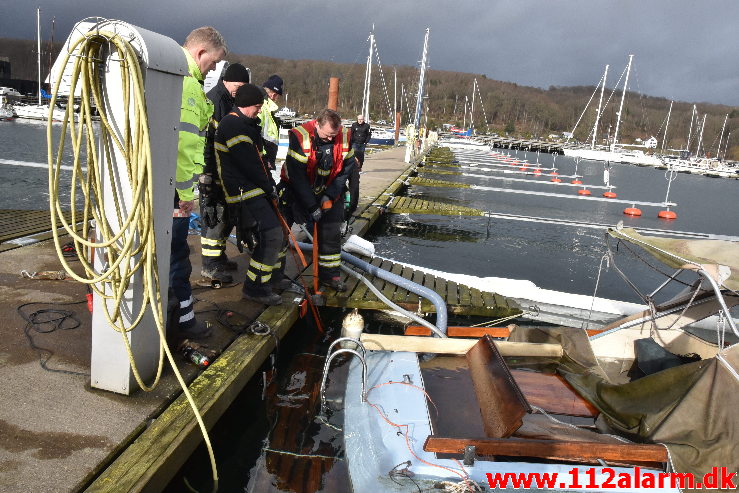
pixel 506 107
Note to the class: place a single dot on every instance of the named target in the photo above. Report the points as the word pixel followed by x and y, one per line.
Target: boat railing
pixel 331 354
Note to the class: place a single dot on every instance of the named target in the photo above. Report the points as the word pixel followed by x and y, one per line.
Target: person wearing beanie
pixel 249 191
pixel 270 127
pixel 216 223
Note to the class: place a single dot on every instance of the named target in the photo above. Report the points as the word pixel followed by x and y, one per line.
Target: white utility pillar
pixel 163 65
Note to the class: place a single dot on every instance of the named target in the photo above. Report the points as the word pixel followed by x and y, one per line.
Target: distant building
pixel 650 143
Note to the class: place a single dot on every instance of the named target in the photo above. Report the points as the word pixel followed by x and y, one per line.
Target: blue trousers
pixel 180 269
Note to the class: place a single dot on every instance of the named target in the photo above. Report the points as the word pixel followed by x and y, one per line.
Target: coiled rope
pixel 126 236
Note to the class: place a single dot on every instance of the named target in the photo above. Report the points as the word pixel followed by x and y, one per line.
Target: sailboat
pixel 615 153
pixel 38 111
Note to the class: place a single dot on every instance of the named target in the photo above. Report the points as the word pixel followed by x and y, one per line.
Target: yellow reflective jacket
pixel 195 113
pixel 270 131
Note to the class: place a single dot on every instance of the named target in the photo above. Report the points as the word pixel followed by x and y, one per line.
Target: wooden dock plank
pixel 476 298
pixel 452 294
pixel 465 298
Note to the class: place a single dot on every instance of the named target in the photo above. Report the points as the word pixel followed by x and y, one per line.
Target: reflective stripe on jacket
pixel 195 113
pixel 341 151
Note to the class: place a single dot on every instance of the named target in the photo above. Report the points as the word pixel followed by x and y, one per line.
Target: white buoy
pixel 352 326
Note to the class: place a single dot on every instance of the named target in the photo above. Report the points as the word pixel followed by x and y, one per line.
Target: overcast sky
pixel 685 50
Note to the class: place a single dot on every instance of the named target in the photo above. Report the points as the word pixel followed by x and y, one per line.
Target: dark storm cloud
pixel 683 49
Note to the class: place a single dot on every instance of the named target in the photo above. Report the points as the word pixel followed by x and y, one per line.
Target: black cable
pixel 45 321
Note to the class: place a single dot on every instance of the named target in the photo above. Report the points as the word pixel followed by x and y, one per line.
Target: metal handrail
pixel 331 355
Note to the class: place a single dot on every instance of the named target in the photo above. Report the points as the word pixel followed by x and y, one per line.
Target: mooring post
pixel 333 93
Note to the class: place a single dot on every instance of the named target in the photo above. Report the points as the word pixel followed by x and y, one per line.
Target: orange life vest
pixel 341 149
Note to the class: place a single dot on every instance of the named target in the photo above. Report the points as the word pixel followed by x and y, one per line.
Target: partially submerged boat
pixel 603 409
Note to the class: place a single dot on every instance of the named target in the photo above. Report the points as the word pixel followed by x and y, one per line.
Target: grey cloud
pixel 683 49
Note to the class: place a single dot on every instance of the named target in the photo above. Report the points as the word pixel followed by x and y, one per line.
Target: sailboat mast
pixel 700 138
pixel 464 122
pixel 38 50
pixel 368 78
pixel 421 79
pixel 621 108
pixel 600 104
pixel 690 130
pixel 720 139
pixel 472 108
pixel 664 137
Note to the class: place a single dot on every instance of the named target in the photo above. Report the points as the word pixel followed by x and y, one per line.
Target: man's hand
pixel 186 206
pixel 326 203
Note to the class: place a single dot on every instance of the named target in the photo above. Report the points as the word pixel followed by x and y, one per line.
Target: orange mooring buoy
pixel 609 195
pixel 632 211
pixel 523 168
pixel 584 192
pixel 667 215
pixel 537 171
pixel 553 173
pixel 556 180
pixel 576 182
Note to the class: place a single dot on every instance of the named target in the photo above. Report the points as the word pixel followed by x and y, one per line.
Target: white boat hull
pixel 629 157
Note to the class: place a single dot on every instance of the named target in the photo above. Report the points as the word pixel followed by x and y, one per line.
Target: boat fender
pixel 352 326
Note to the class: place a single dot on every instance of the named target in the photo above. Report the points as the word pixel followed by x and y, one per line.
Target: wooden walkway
pixel 409 205
pixel 21 227
pixel 461 299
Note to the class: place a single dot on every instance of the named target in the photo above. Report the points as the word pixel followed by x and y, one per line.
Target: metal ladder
pixel 331 354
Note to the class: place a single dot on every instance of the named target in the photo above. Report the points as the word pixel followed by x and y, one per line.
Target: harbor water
pixel 554 256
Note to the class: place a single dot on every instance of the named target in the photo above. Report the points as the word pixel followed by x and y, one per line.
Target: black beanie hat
pixel 236 73
pixel 248 95
pixel 275 83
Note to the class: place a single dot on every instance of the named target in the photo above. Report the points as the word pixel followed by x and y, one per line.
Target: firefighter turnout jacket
pixel 238 147
pixel 313 169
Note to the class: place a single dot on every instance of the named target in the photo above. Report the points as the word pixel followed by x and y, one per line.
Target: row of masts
pixel 693 120
pixel 368 81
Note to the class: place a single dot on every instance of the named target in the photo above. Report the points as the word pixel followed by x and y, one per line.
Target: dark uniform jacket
pixel 222 104
pixel 361 133
pixel 296 173
pixel 238 148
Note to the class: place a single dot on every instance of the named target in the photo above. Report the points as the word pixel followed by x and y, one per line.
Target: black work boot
pixel 262 296
pixel 216 272
pixel 334 283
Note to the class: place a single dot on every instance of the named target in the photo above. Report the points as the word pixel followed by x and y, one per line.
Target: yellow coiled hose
pixel 127 241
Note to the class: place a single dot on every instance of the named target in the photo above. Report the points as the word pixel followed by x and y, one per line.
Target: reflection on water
pixel 403 225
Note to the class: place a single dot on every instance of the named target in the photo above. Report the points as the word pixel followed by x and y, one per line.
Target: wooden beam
pixel 455 331
pixel 383 342
pixel 550 449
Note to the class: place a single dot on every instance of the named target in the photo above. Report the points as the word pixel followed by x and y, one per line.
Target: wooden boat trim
pixel 416 344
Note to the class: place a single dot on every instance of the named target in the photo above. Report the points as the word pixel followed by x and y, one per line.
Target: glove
pixel 326 203
pixel 316 214
pixel 273 195
pixel 208 207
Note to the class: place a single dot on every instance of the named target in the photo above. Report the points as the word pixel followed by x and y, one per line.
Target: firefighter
pixel 250 192
pixel 217 224
pixel 204 47
pixel 319 161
